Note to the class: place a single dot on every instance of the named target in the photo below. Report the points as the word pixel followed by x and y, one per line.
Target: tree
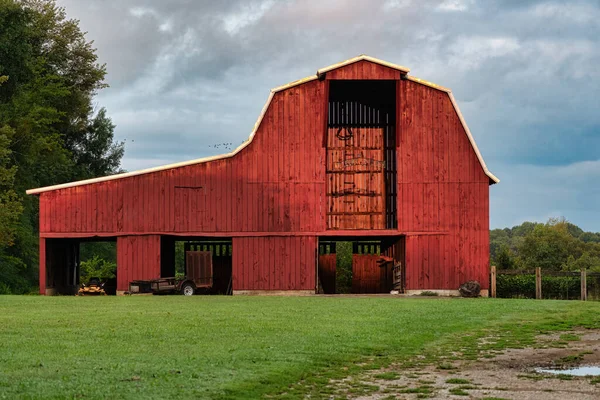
pixel 586 261
pixel 504 258
pixel 96 153
pixel 10 204
pixel 547 246
pixel 49 132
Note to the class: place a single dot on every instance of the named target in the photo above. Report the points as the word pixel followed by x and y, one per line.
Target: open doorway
pixel 361 155
pixel 209 258
pixel 348 265
pixel 71 263
pixel 98 263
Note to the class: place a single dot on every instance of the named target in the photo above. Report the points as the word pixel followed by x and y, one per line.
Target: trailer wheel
pixel 188 289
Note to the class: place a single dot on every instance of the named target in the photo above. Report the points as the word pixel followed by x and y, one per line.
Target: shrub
pixel 523 286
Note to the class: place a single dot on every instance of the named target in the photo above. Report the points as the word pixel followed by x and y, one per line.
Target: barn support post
pixel 42 262
pixel 493 281
pixel 538 283
pixel 583 284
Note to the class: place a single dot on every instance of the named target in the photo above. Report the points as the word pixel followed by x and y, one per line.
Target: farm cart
pixel 198 275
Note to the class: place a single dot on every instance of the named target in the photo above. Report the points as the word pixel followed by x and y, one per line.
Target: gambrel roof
pixel 403 70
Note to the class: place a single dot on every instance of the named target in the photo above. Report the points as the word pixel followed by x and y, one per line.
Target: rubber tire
pixel 191 289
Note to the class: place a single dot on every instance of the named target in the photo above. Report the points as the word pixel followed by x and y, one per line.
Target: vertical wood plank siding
pixel 441 188
pixel 274 263
pixel 138 257
pixel 277 184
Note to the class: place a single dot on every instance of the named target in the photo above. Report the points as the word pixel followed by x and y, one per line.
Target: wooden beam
pixel 538 283
pixel 493 281
pixel 583 284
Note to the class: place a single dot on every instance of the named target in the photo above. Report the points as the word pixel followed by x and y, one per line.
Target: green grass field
pixel 237 347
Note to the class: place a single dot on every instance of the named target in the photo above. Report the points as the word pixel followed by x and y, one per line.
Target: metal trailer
pixel 198 275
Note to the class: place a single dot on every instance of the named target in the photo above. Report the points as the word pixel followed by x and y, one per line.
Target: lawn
pixel 235 347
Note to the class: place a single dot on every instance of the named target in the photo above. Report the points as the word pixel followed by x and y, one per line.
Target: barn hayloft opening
pixel 210 257
pixel 370 265
pixel 361 156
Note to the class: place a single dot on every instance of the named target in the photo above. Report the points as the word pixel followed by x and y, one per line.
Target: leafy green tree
pixel 505 258
pixel 586 261
pixel 547 246
pixel 49 132
pixel 97 267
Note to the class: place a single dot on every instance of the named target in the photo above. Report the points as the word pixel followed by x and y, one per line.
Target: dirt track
pixel 510 375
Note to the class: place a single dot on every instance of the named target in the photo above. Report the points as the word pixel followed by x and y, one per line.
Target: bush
pixel 13 279
pixel 343 273
pixel 523 286
pixel 97 267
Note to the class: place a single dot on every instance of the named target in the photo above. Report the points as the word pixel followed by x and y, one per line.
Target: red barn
pixel 361 152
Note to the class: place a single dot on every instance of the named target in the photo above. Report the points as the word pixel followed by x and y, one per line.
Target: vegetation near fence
pixel 556 245
pixel 558 249
pixel 523 286
pixel 527 284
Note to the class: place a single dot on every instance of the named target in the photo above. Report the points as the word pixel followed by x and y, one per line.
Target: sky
pixel 187 76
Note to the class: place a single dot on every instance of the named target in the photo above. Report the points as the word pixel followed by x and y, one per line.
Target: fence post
pixel 583 284
pixel 493 281
pixel 538 283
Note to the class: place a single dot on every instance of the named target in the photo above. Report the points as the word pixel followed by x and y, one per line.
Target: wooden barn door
pixel 369 275
pixel 222 262
pixel 199 267
pixel 327 267
pixel 355 178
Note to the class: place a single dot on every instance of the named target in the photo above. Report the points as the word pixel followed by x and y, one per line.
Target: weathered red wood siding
pixel 442 192
pixel 363 70
pixel 277 186
pixel 273 185
pixel 274 263
pixel 138 257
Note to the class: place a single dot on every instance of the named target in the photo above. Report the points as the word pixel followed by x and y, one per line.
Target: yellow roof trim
pixel 363 57
pixel 427 83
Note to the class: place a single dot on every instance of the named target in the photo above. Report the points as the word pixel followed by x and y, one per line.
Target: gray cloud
pixel 186 75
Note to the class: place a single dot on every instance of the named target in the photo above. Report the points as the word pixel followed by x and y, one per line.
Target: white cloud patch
pixel 468 53
pixel 455 5
pixel 582 13
pixel 246 15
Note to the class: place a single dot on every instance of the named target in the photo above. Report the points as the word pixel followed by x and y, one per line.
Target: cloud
pixel 536 193
pixel 185 75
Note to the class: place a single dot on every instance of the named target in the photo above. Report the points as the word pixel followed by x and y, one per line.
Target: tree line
pixel 50 131
pixel 554 245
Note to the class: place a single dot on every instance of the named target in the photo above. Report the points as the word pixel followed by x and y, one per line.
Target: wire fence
pixel 538 284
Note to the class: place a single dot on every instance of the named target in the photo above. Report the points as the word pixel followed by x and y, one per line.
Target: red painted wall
pixel 138 257
pixel 442 189
pixel 277 185
pixel 274 263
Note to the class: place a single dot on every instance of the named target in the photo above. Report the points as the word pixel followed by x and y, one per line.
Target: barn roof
pixel 403 70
